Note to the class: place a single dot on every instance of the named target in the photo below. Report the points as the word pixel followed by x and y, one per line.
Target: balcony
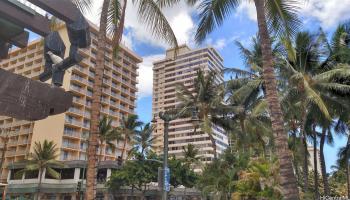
pixel 12 143
pixel 104 100
pixel 78 100
pixel 89 93
pixel 113 113
pixel 10 153
pixel 92 74
pixel 80 69
pixel 87 114
pixel 108 82
pixel 75 111
pixel 104 110
pixel 69 157
pixel 79 79
pixel 71 133
pixel 23 142
pixel 77 89
pixel 21 152
pixel 86 125
pixel 106 91
pixel 70 146
pixel 73 122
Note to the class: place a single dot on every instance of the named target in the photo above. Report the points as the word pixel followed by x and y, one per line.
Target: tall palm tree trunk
pixel 118 36
pixel 96 104
pixel 323 163
pixel 348 178
pixel 304 143
pixel 317 193
pixel 295 162
pixel 305 163
pixel 287 180
pixel 347 165
pixel 213 144
pixel 124 148
pixel 39 184
pixel 2 161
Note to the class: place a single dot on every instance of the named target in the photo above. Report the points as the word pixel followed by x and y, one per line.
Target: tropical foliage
pixel 43 159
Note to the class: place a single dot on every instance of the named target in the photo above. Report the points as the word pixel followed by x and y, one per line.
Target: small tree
pixel 42 159
pixel 107 134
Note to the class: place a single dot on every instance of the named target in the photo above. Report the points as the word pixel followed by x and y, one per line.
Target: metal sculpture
pixel 27 99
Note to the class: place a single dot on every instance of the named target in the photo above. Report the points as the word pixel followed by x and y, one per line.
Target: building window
pixel 67 173
pixel 31 174
pixel 14 175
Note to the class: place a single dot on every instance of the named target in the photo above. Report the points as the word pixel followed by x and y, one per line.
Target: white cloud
pixel 248 8
pixel 328 12
pixel 127 41
pixel 221 43
pixel 146 75
pixel 178 16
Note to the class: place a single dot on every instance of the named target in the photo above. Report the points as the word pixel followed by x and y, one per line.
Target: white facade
pixel 167 74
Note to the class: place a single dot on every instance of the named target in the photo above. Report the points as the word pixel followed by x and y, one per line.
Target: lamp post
pixel 167 117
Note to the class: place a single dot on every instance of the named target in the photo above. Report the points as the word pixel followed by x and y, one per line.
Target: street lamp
pixel 167 117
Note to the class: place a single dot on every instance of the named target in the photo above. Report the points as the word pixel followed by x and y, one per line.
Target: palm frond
pixel 53 173
pixel 83 5
pixel 212 13
pixel 151 15
pixel 282 17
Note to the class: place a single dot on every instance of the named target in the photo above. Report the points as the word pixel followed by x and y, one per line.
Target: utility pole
pixel 167 117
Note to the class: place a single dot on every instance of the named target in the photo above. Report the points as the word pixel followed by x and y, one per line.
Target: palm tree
pixel 112 21
pixel 144 139
pixel 343 162
pixel 129 128
pixel 190 154
pixel 316 89
pixel 42 160
pixel 281 17
pixel 206 97
pixel 107 134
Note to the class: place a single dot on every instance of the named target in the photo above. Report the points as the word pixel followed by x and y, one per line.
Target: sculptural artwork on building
pixel 27 99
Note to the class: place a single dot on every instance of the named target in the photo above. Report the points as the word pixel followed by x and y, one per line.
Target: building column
pixel 76 174
pixel 74 196
pixel 109 173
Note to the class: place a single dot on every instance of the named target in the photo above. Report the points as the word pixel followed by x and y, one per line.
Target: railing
pixel 69 158
pixel 86 125
pixel 10 153
pixel 74 110
pixel 88 93
pixel 87 114
pixel 23 142
pixel 71 133
pixel 21 152
pixel 78 100
pixel 104 110
pixel 73 122
pixel 77 89
pixel 70 145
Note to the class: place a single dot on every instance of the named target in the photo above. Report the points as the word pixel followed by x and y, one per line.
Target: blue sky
pixel 240 26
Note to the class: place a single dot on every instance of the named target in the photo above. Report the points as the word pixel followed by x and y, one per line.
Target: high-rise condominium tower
pixel 70 130
pixel 169 72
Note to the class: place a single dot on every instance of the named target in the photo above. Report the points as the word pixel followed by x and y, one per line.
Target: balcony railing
pixel 70 145
pixel 76 111
pixel 69 157
pixel 21 142
pixel 77 89
pixel 73 122
pixel 71 133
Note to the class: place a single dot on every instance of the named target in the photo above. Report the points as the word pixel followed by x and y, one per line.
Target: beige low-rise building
pixel 169 72
pixel 70 130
